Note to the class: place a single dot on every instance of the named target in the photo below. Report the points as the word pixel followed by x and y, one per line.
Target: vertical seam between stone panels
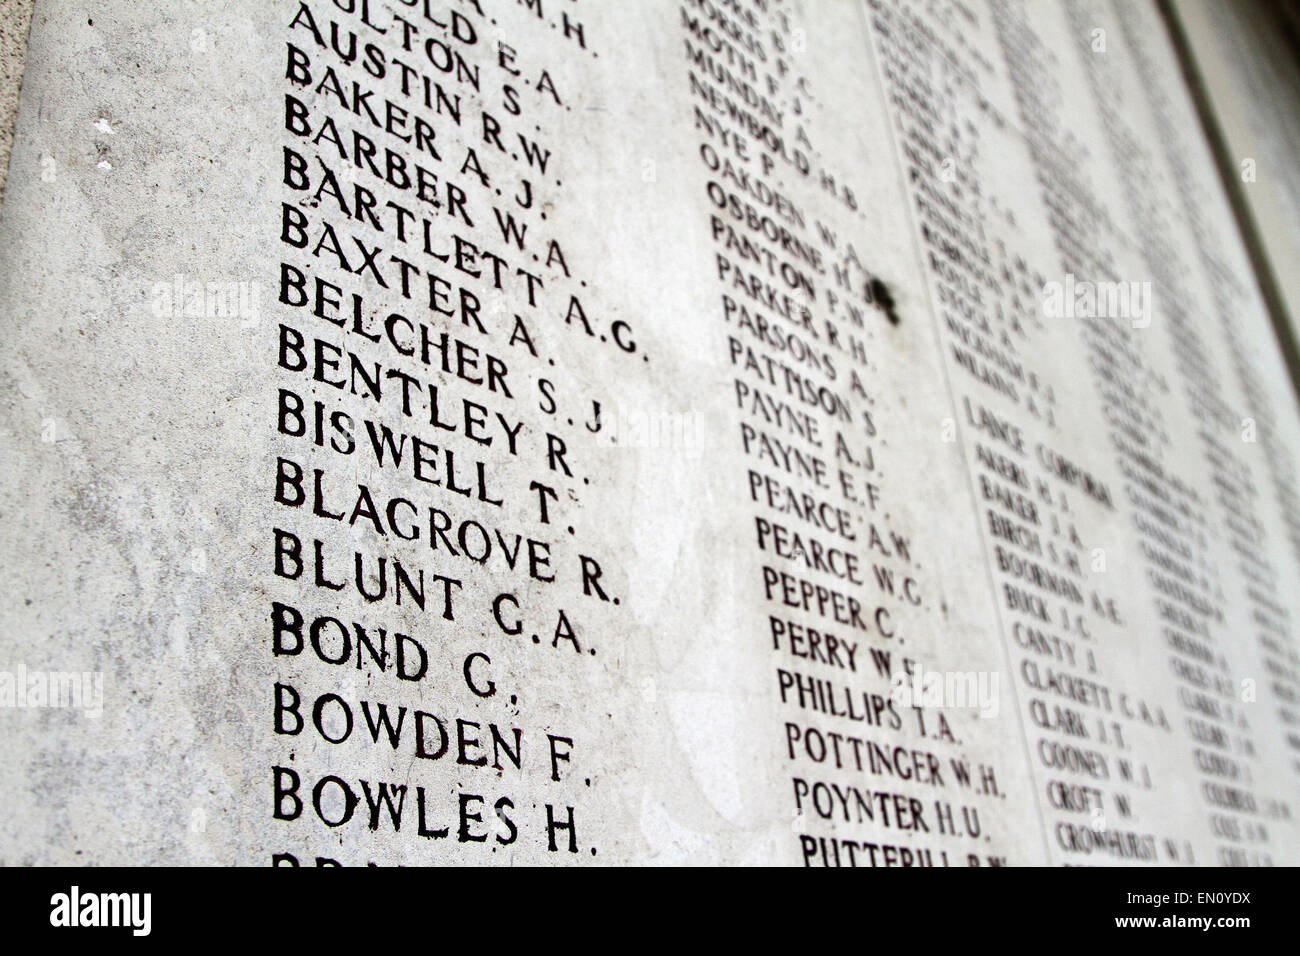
pixel 961 445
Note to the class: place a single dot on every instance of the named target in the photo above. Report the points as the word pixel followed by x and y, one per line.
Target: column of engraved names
pixel 1237 489
pixel 1223 749
pixel 1271 611
pixel 873 782
pixel 429 568
pixel 1035 502
pixel 1168 512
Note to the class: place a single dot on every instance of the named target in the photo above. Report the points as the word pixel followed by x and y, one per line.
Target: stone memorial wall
pixel 838 433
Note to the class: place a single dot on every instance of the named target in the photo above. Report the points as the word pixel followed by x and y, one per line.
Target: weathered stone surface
pixel 805 433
